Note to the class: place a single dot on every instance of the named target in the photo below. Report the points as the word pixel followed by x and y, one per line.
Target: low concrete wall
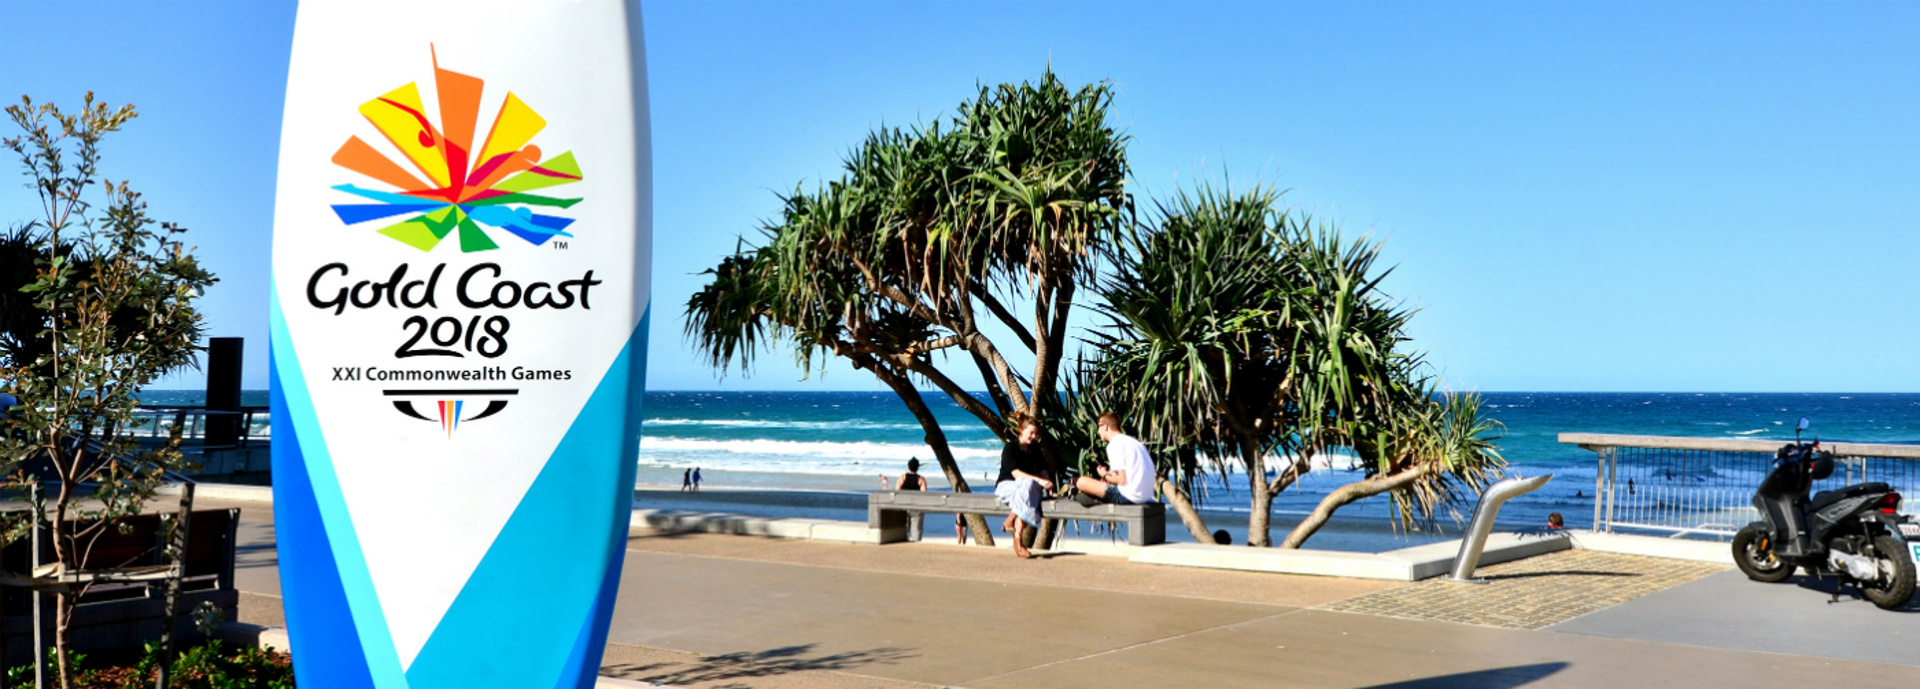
pixel 718 522
pixel 224 491
pixel 1654 546
pixel 1406 564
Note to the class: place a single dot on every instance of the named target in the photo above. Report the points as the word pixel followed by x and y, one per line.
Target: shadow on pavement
pixel 748 665
pixel 1828 586
pixel 1499 678
pixel 1559 573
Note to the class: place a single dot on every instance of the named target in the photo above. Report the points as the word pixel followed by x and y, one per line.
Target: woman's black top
pixel 1016 457
pixel 916 484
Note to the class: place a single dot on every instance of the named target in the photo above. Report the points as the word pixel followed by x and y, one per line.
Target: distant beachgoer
pixel 686 480
pixel 696 479
pixel 1555 522
pixel 1578 494
pixel 1128 477
pixel 1221 537
pixel 1022 482
pixel 960 528
pixel 912 480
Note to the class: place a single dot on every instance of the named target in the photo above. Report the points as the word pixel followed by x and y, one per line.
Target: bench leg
pixel 1147 531
pixel 891 523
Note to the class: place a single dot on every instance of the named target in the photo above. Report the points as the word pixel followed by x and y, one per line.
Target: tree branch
pixel 1000 311
pixel 973 406
pixel 1349 493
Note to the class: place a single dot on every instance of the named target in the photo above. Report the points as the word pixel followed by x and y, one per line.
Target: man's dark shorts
pixel 1113 497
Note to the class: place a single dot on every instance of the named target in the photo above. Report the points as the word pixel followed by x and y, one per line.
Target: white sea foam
pixel 805 425
pixel 1756 430
pixel 792 453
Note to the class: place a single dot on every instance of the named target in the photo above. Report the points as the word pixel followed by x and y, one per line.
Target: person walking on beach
pixel 686 480
pixel 912 480
pixel 1022 482
pixel 1128 477
pixel 696 479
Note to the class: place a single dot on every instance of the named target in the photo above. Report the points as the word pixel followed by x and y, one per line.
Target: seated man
pixel 1129 481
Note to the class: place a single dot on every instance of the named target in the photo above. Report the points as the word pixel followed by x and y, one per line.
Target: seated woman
pixel 1023 483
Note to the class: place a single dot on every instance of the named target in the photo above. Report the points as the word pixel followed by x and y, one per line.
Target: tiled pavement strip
pixel 1531 593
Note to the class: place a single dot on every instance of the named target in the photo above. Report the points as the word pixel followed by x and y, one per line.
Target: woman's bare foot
pixel 1021 550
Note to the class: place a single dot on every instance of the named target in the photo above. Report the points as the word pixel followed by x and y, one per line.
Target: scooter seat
pixel 1828 497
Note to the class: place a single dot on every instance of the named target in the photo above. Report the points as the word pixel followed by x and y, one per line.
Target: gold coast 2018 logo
pixel 437 187
pixel 461 191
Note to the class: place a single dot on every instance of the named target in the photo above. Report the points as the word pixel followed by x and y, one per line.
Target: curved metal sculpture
pixel 1482 524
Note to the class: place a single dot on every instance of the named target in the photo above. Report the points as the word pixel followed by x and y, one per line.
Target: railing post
pixel 1599 481
pixel 1613 488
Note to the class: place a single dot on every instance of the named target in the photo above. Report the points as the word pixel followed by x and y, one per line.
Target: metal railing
pixel 1705 485
pixel 156 421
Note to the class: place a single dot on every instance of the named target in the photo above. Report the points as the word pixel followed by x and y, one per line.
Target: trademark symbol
pixel 562 246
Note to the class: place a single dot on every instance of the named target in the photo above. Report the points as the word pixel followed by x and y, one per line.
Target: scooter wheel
pixel 1753 552
pixel 1895 586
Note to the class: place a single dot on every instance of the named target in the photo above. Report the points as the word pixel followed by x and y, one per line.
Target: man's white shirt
pixel 1128 455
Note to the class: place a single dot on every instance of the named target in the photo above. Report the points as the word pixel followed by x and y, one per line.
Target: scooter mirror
pixel 1804 423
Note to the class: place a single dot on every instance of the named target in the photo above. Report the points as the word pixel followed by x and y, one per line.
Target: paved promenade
pixel 702 610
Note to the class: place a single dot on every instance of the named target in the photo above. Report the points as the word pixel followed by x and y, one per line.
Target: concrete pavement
pixel 721 611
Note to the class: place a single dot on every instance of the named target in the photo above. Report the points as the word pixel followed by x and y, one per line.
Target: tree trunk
pixel 1347 494
pixel 1183 507
pixel 1262 507
pixel 63 616
pixel 937 440
pixel 63 601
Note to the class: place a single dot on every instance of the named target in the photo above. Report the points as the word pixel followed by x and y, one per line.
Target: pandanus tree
pixel 1242 335
pixel 929 235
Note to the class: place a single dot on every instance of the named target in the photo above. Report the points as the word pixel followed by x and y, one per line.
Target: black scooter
pixel 1853 533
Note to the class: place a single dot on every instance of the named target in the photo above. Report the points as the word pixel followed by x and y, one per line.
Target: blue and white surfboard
pixel 461 245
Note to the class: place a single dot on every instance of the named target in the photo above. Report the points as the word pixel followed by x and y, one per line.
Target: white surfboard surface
pixel 461 245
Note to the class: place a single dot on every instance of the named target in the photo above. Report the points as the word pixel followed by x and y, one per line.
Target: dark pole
pixel 177 547
pixel 224 355
pixel 39 617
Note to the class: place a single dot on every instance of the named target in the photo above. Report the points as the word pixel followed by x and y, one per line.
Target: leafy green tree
pixel 930 234
pixel 1241 332
pixel 111 295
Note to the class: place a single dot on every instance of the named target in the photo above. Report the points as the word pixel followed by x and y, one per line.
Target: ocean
pixel 846 441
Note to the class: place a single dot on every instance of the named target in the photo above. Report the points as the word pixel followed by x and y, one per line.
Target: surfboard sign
pixel 461 251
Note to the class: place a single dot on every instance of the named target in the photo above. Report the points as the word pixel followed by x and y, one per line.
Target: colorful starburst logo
pixel 461 191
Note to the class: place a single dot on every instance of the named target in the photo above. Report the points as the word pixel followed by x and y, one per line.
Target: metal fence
pixel 156 421
pixel 1705 485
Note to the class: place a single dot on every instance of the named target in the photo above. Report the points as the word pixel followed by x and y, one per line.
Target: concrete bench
pixel 888 511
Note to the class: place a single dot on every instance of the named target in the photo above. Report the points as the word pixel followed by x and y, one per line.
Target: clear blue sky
pixel 1611 196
